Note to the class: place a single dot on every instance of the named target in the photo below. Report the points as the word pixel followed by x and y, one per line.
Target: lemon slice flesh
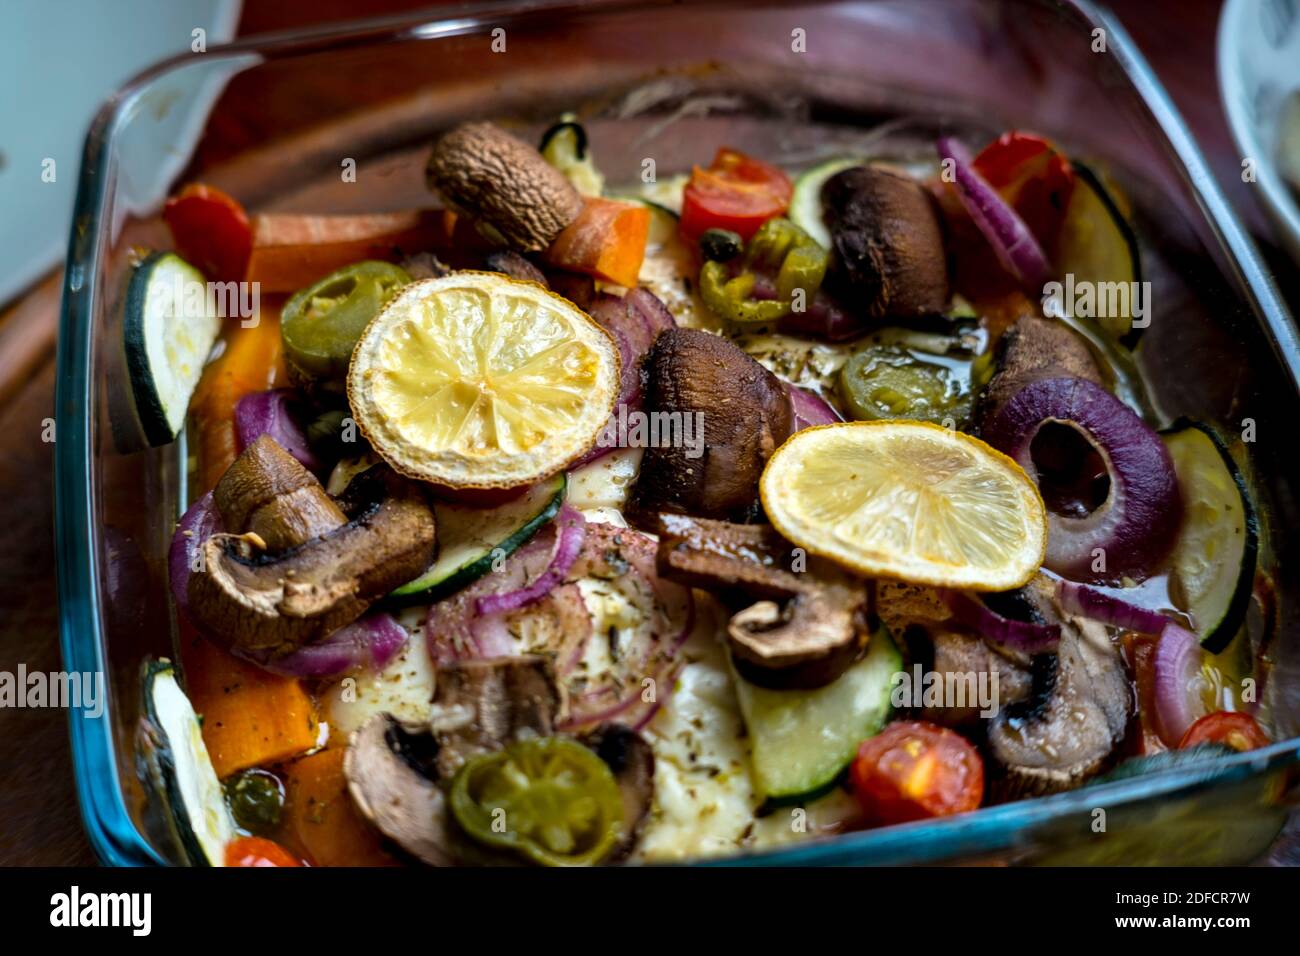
pixel 475 380
pixel 908 501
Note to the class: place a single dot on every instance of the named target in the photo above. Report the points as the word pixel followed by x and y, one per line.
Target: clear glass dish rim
pixel 108 823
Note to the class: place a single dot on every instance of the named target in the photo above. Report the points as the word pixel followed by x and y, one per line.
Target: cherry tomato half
pixel 1237 730
pixel 211 231
pixel 257 851
pixel 914 770
pixel 736 193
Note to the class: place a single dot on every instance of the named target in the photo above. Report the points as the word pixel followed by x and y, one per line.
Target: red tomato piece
pixel 256 851
pixel 211 231
pixel 1233 728
pixel 736 193
pixel 1034 177
pixel 914 770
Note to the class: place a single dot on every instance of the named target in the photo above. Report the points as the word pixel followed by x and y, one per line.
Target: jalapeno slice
pixel 320 324
pixel 548 799
pixel 881 382
pixel 779 260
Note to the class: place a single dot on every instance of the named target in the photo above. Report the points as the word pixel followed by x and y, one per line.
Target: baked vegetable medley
pixel 570 523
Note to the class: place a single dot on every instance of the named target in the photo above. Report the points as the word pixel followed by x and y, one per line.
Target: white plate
pixel 1259 68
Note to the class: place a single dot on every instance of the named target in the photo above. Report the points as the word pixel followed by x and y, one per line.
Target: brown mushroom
pixel 479 706
pixel 1068 728
pixel 806 643
pixel 889 258
pixel 1034 349
pixel 268 601
pixel 632 761
pixel 742 411
pixel 812 621
pixel 504 184
pixel 387 771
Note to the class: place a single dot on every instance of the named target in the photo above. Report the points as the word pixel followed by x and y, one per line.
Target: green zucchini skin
pixel 1090 180
pixel 1219 635
pixel 806 201
pixel 152 406
pixel 161 771
pixel 777 780
pixel 439 581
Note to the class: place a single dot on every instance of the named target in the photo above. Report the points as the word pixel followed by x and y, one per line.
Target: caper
pixel 256 800
pixel 721 245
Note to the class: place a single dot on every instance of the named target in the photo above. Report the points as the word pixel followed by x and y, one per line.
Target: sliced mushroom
pixel 387 770
pixel 504 184
pixel 889 259
pixel 920 617
pixel 266 603
pixel 742 411
pixel 705 553
pixel 632 760
pixel 806 643
pixel 1068 727
pixel 267 492
pixel 480 706
pixel 812 622
pixel 1035 349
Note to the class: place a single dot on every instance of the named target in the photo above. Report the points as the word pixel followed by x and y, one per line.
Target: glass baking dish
pixel 670 82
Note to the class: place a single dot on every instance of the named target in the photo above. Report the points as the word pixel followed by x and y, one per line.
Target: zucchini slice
pixel 168 332
pixel 177 769
pixel 801 740
pixel 470 538
pixel 1215 554
pixel 806 202
pixel 565 147
pixel 1098 245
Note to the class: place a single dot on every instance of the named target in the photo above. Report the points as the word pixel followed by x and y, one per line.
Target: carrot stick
pixel 321 821
pixel 251 362
pixel 291 251
pixel 607 240
pixel 251 718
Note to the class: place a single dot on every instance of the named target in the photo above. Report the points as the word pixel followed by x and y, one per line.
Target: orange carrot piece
pixel 251 718
pixel 607 241
pixel 321 821
pixel 292 251
pixel 251 362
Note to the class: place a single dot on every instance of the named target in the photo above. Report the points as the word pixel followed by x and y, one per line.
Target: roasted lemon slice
pixel 475 380
pixel 908 501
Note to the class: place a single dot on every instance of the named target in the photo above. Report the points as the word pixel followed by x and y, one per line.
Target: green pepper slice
pixel 882 382
pixel 320 324
pixel 779 249
pixel 548 799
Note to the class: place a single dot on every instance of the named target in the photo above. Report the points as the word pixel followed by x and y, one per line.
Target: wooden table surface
pixel 41 822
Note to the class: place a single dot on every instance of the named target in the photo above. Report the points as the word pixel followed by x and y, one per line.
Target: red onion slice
pixel 571 531
pixel 1133 529
pixel 1177 667
pixel 652 311
pixel 200 522
pixel 1021 635
pixel 626 560
pixel 371 641
pixel 1102 604
pixel 810 408
pixel 1012 240
pixel 267 413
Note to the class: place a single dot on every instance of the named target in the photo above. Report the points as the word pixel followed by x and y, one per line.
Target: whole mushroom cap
pixel 503 183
